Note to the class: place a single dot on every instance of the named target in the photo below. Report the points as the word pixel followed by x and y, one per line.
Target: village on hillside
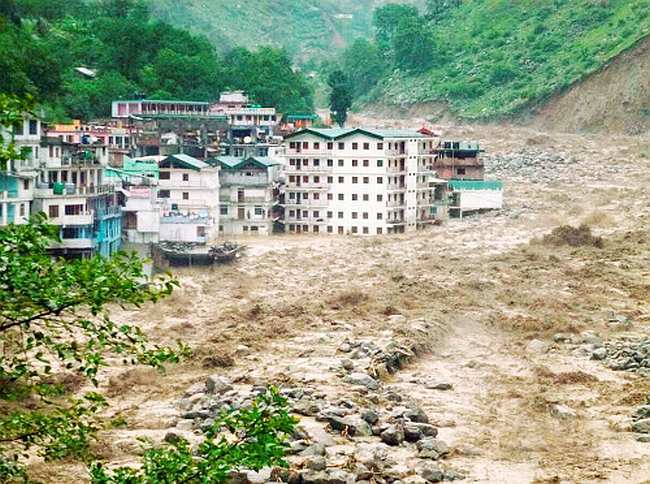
pixel 192 174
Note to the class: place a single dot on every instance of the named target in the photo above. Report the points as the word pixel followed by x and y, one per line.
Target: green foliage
pixel 412 44
pixel 269 77
pixel 497 57
pixel 248 438
pixel 54 321
pixel 340 96
pixel 386 20
pixel 307 29
pixel 364 64
pixel 12 110
pixel 133 55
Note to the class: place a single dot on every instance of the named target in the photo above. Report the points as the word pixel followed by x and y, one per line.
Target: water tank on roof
pixel 58 188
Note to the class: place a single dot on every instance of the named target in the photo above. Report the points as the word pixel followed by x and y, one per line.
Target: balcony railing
pixel 111 211
pixel 305 203
pixel 73 190
pixel 308 169
pixel 396 203
pixel 184 219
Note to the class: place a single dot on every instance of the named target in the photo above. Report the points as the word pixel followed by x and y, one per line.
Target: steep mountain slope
pixel 615 99
pixel 495 58
pixel 307 29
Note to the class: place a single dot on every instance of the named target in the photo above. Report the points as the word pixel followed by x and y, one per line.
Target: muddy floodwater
pixel 477 329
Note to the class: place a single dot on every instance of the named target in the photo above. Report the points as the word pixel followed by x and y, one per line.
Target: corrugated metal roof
pixel 188 160
pixel 338 133
pixel 476 185
pixel 234 162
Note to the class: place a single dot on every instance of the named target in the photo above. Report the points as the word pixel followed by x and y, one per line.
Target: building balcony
pixel 185 219
pixel 246 181
pixel 309 153
pixel 395 187
pixel 308 186
pixel 8 195
pixel 396 169
pixel 396 203
pixel 84 218
pixel 306 204
pixel 396 222
pixel 68 189
pixel 291 170
pixel 246 201
pixel 305 220
pixel 110 212
pixel 78 244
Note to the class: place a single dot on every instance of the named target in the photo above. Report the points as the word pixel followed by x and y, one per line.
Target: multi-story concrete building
pixel 189 191
pixel 72 192
pixel 115 135
pixel 17 182
pixel 159 108
pixel 459 160
pixel 361 181
pixel 247 194
pixel 245 119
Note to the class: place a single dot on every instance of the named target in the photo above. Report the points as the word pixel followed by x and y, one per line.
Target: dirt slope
pixel 616 98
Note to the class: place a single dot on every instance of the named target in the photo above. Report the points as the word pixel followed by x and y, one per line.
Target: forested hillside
pixel 489 58
pixel 44 41
pixel 307 29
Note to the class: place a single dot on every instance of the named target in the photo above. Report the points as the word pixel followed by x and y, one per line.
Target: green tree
pixel 12 110
pixel 413 44
pixel 436 9
pixel 257 439
pixel 54 320
pixel 340 96
pixel 364 64
pixel 386 19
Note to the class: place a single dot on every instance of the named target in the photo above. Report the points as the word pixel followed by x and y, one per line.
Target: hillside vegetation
pixel 308 30
pixel 133 55
pixel 490 58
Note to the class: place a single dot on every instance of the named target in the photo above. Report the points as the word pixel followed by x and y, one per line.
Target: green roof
pixel 301 116
pixel 460 185
pixel 187 160
pixel 338 133
pixel 236 162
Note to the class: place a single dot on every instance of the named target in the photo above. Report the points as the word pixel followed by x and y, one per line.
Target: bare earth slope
pixel 616 98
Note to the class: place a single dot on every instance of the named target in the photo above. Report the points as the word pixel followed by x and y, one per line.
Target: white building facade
pixel 361 181
pixel 189 192
pixel 17 183
pixel 247 195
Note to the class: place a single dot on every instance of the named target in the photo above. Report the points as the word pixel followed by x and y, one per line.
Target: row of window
pixel 330 179
pixel 316 145
pixel 297 162
pixel 330 214
pixel 223 210
pixel 330 196
pixel 330 229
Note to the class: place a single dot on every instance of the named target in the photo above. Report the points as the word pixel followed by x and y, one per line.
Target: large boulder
pixel 642 426
pixel 362 379
pixel 217 385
